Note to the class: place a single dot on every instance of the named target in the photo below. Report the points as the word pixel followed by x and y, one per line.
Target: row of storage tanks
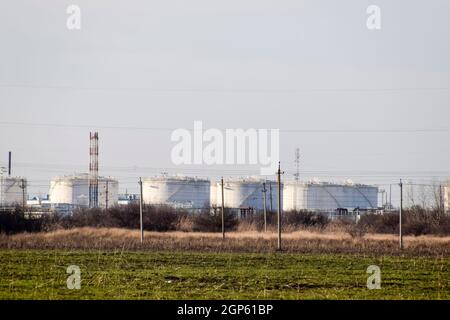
pixel 197 193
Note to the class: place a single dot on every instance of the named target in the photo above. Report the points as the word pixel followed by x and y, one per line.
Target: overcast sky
pixel 287 64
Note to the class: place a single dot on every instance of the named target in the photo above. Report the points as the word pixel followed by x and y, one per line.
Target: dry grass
pixel 249 241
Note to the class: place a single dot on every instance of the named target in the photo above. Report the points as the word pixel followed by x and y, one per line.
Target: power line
pixel 378 131
pixel 226 91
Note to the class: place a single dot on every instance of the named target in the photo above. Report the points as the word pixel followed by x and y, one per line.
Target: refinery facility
pixel 240 195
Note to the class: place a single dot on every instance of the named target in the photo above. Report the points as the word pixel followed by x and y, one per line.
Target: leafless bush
pixel 357 230
pixel 211 221
pixel 306 219
pixel 155 218
pixel 380 223
pixel 291 221
pixel 185 223
pixel 419 221
pixel 416 221
pixel 18 220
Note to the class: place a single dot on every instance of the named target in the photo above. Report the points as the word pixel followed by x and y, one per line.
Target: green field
pixel 39 274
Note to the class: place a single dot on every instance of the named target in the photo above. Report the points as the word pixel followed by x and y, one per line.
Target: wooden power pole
pixel 279 205
pixel 270 193
pixel 107 194
pixel 265 206
pixel 140 210
pixel 223 209
pixel 23 186
pixel 400 216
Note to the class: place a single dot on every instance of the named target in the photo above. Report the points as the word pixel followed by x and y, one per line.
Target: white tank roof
pixel 79 176
pixel 176 178
pixel 243 180
pixel 346 183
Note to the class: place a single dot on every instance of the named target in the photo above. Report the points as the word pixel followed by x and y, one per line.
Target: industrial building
pixel 13 191
pixel 177 191
pixel 245 195
pixel 328 197
pixel 74 191
pixel 128 199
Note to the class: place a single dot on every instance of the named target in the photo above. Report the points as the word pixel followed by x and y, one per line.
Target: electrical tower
pixel 93 170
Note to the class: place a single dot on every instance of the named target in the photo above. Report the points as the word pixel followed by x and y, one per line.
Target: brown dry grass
pixel 247 241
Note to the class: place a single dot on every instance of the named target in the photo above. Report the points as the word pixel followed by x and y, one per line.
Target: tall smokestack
pixel 9 164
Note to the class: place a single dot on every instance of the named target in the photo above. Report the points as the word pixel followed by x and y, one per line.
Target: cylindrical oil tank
pixel 181 192
pixel 74 190
pixel 329 196
pixel 294 196
pixel 13 191
pixel 245 193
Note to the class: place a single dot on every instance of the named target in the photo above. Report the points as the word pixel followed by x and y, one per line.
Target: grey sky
pixel 285 64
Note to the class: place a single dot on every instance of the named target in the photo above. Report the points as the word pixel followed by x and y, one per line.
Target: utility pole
pixel 390 196
pixel 23 194
pixel 106 193
pixel 270 192
pixel 23 186
pixel 297 165
pixel 279 173
pixel 223 210
pixel 140 210
pixel 265 206
pixel 382 197
pixel 400 215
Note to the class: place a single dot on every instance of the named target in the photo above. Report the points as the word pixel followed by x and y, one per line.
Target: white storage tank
pixel 245 193
pixel 329 196
pixel 74 190
pixel 294 196
pixel 13 191
pixel 181 192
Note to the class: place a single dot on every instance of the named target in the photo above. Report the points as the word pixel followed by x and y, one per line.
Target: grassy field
pixel 41 274
pixel 302 241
